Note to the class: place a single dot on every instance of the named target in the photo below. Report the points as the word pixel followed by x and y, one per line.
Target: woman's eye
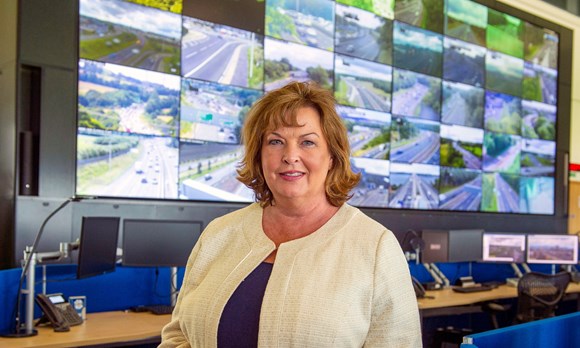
pixel 275 142
pixel 308 143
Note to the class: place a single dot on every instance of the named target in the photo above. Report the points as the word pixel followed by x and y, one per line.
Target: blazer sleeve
pixel 395 318
pixel 172 335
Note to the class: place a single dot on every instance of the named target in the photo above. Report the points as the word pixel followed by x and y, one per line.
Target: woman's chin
pixel 298 196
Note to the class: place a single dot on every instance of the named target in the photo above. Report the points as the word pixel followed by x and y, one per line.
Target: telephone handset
pixel 58 312
pixel 419 289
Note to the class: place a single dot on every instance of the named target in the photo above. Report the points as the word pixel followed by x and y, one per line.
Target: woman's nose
pixel 290 155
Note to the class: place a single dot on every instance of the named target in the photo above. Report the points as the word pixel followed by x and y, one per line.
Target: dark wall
pixel 8 39
pixel 48 60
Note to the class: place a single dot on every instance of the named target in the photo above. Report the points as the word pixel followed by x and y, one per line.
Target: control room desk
pixel 449 302
pixel 99 329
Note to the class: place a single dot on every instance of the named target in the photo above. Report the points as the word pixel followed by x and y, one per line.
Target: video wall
pixel 450 105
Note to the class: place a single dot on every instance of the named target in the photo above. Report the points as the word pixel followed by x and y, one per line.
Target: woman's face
pixel 296 160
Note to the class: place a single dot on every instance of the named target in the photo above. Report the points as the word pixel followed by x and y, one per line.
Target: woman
pixel 299 268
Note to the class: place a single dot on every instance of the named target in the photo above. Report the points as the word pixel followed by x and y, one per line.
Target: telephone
pixel 419 289
pixel 58 312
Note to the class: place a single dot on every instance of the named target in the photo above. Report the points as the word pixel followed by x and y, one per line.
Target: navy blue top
pixel 240 320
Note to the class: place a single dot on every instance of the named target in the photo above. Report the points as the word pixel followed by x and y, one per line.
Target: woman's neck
pixel 285 223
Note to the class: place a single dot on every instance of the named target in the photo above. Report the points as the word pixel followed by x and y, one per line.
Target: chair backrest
pixel 539 295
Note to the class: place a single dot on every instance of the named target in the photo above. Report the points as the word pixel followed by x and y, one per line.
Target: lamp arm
pixel 37 238
pixel 30 257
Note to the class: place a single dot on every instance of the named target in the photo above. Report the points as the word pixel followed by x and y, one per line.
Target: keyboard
pixel 469 289
pixel 159 309
pixel 493 283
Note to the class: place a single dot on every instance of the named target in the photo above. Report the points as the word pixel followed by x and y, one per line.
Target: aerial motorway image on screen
pixel 362 83
pixel 416 94
pixel 500 193
pixel 461 147
pixel 368 132
pixel 460 189
pixel 223 54
pixel 417 49
pixel 118 98
pixel 373 189
pixel 137 36
pixel 414 186
pixel 363 34
pixel 462 104
pixel 126 165
pixel 207 172
pixel 414 140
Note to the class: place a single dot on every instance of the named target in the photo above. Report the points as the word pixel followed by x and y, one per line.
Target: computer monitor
pixel 503 247
pixel 451 245
pixel 559 249
pixel 158 242
pixel 98 246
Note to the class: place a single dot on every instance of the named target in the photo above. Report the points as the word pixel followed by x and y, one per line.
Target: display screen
pixel 158 242
pixel 98 246
pixel 552 249
pixel 449 108
pixel 504 247
pixel 57 299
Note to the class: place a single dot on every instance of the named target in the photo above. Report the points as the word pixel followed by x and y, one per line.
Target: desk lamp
pixel 31 257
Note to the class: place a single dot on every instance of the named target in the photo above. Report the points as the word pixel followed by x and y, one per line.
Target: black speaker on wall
pixel 29 130
pixel 28 164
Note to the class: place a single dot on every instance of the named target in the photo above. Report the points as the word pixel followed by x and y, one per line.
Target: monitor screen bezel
pixel 485 247
pixel 85 254
pixel 571 237
pixel 151 262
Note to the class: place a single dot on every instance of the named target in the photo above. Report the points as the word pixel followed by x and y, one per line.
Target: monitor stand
pixel 163 308
pixel 173 286
pixel 514 280
pixel 437 275
pixel 526 268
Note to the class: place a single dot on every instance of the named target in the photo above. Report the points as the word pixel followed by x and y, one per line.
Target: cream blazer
pixel 345 285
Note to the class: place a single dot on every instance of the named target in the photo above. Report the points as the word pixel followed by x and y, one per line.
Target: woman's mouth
pixel 292 174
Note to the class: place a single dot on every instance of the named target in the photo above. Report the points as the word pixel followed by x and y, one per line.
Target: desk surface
pixel 120 326
pixel 99 328
pixel 450 298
